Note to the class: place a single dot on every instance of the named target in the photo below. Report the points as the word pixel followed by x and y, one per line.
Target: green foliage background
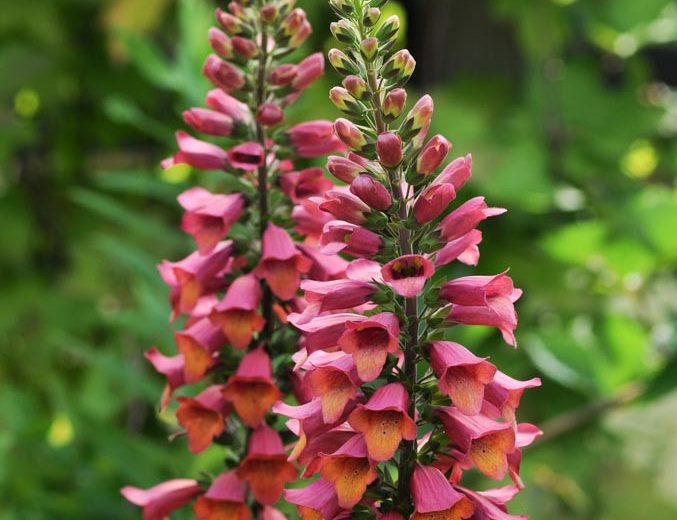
pixel 581 149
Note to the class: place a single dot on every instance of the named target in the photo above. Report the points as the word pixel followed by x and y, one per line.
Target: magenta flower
pixel 209 121
pixel 434 496
pixel 466 217
pixel 503 395
pixel 172 367
pixel 314 139
pixel 343 205
pixel 198 154
pixel 389 149
pixel 344 169
pixel 464 249
pixel 335 384
pixel 237 314
pixel 339 236
pixel 408 274
pixel 337 295
pixel 203 417
pixel 223 74
pixel 158 501
pixel 432 155
pixel 307 71
pixel 218 100
pixel 318 499
pixel 433 201
pixel 301 185
pixel 246 156
pixel 225 498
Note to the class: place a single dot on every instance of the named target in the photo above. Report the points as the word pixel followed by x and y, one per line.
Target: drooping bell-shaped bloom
pixel 343 205
pixel 433 201
pixel 462 375
pixel 525 435
pixel 484 300
pixel 491 504
pixel 300 185
pixel 265 468
pixel 384 421
pixel 225 498
pixel 408 274
pixel 316 501
pixel 371 192
pixel 337 295
pixel 198 343
pixel 281 263
pixel 208 216
pixel 158 501
pixel 223 74
pixel 203 417
pixel 195 276
pixel 209 122
pixel 314 139
pixel 323 331
pixel 435 498
pixel 196 153
pixel 339 236
pixel 464 249
pixel 246 156
pixel 310 220
pixel 456 173
pixel 335 384
pixel 350 471
pixel 237 314
pixel 503 395
pixel 238 111
pixel 307 71
pixel 252 389
pixel 173 368
pixel 432 155
pixel 369 341
pixel 481 440
pixel 466 217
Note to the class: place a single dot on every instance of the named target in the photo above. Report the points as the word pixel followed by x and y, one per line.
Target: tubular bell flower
pixel 237 313
pixel 317 500
pixel 434 497
pixel 339 236
pixel 335 385
pixel 203 417
pixel 158 501
pixel 408 274
pixel 198 343
pixel 225 498
pixel 198 154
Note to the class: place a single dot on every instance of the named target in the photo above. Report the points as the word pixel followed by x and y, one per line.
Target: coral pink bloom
pixel 337 295
pixel 195 276
pixel 301 185
pixel 307 71
pixel 198 343
pixel 265 467
pixel 462 375
pixel 246 156
pixel 343 205
pixel 323 331
pixel 324 443
pixel 335 384
pixel 371 192
pixel 482 441
pixel 351 239
pixel 369 341
pixel 198 154
pixel 203 417
pixel 281 263
pixel 490 504
pixel 502 396
pixel 269 114
pixel 456 173
pixel 433 201
pixel 208 217
pixel 408 274
pixel 364 270
pixel 209 121
pixel 316 501
pixel 173 368
pixel 237 314
pixel 432 155
pixel 344 169
pixel 484 300
pixel 464 249
pixel 314 139
pixel 310 220
pixel 435 498
pixel 323 267
pixel 466 217
pixel 350 471
pixel 225 498
pixel 384 421
pixel 160 500
pixel 525 435
pixel 223 74
pixel 228 105
pixel 252 389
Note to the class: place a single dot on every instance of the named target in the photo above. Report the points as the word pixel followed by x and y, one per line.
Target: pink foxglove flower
pixel 158 501
pixel 408 274
pixel 434 496
pixel 203 417
pixel 225 498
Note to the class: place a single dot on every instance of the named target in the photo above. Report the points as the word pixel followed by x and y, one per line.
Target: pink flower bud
pixel 283 74
pixel 394 103
pixel 419 116
pixel 357 87
pixel 308 71
pixel 350 134
pixel 369 48
pixel 432 155
pixel 244 47
pixel 314 138
pixel 222 74
pixel 220 42
pixel 269 13
pixel 269 114
pixel 389 149
pixel 230 23
pixel 432 202
pixel 218 100
pixel 343 169
pixel 208 121
pixel 371 192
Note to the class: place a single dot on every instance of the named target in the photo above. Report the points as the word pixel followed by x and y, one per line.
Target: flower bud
pixel 220 42
pixel 387 33
pixel 269 13
pixel 232 24
pixel 269 114
pixel 350 134
pixel 394 104
pixel 301 35
pixel 343 31
pixel 399 67
pixel 342 7
pixel 357 87
pixel 308 71
pixel 371 17
pixel 244 47
pixel 343 169
pixel 418 117
pixel 237 8
pixel 342 63
pixel 371 192
pixel 209 121
pixel 282 75
pixel 432 155
pixel 369 48
pixel 344 101
pixel 285 6
pixel 389 149
pixel 223 74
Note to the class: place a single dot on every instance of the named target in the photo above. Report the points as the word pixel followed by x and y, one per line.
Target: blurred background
pixel 570 110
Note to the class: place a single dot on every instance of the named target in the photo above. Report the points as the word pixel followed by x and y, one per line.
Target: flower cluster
pixel 396 412
pixel 232 295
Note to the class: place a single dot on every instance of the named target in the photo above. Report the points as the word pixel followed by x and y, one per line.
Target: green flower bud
pixel 343 31
pixel 342 7
pixel 357 87
pixel 371 17
pixel 394 104
pixel 344 101
pixel 369 48
pixel 342 63
pixel 387 33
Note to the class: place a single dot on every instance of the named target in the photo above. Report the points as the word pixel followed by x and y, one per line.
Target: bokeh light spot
pixel 60 432
pixel 27 103
pixel 641 160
